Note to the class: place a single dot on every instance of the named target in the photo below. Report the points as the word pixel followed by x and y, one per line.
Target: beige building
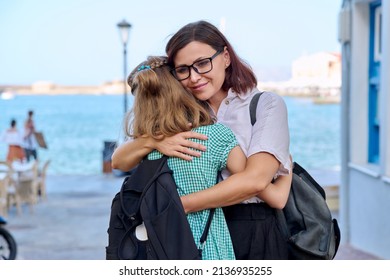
pixel 321 69
pixel 317 75
pixel 50 88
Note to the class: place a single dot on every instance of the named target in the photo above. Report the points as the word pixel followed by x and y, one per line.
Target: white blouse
pixel 269 134
pixel 12 137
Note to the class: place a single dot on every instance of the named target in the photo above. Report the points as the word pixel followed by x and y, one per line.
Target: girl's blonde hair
pixel 162 107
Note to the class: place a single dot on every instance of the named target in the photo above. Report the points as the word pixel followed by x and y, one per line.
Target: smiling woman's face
pixel 208 85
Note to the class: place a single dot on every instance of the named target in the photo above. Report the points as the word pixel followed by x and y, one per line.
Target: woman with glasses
pixel 205 63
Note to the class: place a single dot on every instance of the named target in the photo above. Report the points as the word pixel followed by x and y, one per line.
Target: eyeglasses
pixel 202 66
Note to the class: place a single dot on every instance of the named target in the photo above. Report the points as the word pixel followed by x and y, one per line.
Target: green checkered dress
pixel 199 174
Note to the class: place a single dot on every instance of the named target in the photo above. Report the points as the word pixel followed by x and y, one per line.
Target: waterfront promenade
pixel 71 224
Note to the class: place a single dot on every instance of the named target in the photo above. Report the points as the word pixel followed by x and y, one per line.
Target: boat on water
pixel 6 95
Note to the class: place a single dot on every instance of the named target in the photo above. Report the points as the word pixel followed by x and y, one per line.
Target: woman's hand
pixel 179 145
pixel 127 155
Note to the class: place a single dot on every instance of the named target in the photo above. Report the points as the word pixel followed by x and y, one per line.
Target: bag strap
pixel 253 106
pixel 206 231
pixel 210 218
pixel 253 109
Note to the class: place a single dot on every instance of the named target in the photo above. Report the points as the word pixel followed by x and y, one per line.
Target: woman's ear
pixel 226 57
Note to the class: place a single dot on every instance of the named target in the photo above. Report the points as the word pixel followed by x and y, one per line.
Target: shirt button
pixel 227 102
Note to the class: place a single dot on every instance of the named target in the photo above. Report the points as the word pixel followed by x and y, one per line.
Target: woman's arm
pixel 127 155
pixel 258 174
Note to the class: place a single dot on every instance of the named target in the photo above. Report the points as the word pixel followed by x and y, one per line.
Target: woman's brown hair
pixel 239 75
pixel 162 107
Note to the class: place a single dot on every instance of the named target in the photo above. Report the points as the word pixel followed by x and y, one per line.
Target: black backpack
pixel 149 197
pixel 306 221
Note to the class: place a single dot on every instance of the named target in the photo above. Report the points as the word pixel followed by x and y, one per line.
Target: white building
pixel 364 33
pixel 321 69
pixel 316 74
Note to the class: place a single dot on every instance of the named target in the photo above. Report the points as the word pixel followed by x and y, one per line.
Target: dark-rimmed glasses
pixel 202 66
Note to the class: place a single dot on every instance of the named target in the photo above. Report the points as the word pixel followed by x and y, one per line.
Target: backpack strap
pixel 206 231
pixel 253 106
pixel 210 218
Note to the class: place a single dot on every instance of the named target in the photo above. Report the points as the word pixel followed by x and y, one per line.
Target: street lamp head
pixel 124 28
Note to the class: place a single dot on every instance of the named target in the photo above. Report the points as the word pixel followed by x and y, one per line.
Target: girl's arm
pixel 236 160
pixel 258 174
pixel 276 194
pixel 127 155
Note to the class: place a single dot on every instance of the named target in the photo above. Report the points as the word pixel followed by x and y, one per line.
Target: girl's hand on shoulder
pixel 179 146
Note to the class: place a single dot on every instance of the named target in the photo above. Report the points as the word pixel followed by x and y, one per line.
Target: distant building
pixel 50 88
pixel 321 69
pixel 364 31
pixel 317 74
pixel 112 87
pixel 43 87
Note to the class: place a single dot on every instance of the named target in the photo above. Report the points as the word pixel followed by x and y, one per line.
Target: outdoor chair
pixel 41 186
pixel 27 187
pixel 8 188
pixel 3 195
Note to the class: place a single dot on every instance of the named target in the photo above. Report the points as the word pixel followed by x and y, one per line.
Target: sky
pixel 77 42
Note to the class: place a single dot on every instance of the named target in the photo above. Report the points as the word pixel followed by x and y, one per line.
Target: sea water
pixel 75 128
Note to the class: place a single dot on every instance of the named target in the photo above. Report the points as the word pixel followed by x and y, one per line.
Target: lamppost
pixel 124 28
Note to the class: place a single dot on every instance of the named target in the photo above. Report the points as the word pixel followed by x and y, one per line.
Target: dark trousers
pixel 254 231
pixel 31 153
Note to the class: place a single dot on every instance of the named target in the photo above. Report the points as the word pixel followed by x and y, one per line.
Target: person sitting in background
pixel 14 139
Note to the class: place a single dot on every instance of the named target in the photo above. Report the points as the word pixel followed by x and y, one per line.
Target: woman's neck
pixel 216 100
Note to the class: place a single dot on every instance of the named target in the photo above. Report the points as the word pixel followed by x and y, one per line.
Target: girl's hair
pixel 239 75
pixel 162 107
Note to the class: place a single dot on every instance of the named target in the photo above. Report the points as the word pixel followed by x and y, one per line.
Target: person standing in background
pixel 30 143
pixel 14 139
